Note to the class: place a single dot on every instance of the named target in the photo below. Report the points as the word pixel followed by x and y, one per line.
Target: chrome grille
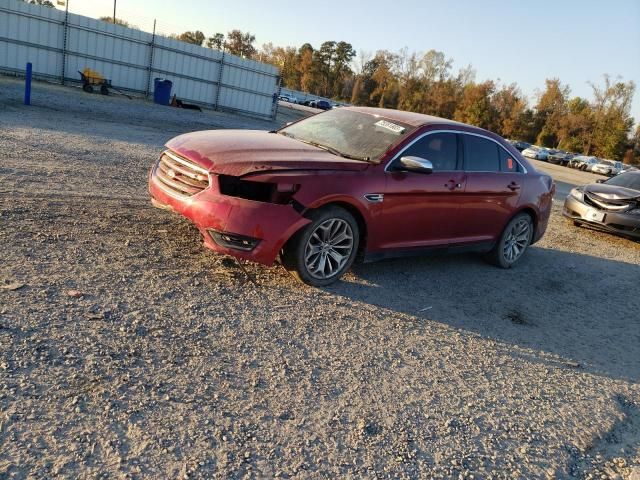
pixel 180 176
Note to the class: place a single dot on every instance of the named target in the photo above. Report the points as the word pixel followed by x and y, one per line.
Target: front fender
pixel 318 188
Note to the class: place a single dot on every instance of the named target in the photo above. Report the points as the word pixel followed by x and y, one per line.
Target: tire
pixel 511 242
pixel 104 90
pixel 87 88
pixel 321 252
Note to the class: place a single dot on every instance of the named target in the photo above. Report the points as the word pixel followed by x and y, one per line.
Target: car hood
pixel 612 192
pixel 241 152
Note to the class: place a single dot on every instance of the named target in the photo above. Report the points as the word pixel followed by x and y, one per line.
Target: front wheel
pixel 513 242
pixel 321 252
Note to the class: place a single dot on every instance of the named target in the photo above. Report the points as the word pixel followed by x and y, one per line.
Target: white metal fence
pixel 60 44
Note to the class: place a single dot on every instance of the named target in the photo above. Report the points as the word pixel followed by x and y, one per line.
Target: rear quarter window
pixel 507 162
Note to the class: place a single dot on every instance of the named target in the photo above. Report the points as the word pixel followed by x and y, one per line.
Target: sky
pixel 511 40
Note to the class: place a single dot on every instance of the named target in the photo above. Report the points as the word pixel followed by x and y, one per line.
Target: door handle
pixel 513 186
pixel 452 185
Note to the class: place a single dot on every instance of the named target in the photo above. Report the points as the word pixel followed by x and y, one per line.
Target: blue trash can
pixel 162 91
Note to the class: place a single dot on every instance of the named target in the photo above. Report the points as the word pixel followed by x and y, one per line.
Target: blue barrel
pixel 162 91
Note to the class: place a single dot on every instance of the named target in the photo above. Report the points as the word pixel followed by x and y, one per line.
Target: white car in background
pixel 607 167
pixel 588 164
pixel 603 168
pixel 538 153
pixel 289 98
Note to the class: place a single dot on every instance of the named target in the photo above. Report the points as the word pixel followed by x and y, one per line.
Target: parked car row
pixel 319 104
pixel 585 163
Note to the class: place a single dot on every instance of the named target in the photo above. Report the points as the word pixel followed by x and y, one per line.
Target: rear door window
pixel 480 154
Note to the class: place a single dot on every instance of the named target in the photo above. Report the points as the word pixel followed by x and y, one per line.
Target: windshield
pixel 350 134
pixel 627 180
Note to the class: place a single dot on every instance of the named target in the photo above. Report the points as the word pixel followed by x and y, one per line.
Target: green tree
pixel 341 71
pixel 476 106
pixel 118 21
pixel 240 44
pixel 217 41
pixel 305 67
pixel 285 59
pixel 612 121
pixel 632 154
pixel 575 127
pixel 551 107
pixel 194 38
pixel 435 66
pixel 385 91
pixel 510 106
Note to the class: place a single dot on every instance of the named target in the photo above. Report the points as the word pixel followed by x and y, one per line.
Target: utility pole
pixel 114 12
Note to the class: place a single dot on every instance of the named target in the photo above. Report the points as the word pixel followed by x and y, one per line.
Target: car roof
pixel 410 118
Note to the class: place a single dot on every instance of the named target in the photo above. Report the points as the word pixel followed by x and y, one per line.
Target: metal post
pixel 219 82
pixel 150 65
pixel 277 99
pixel 27 85
pixel 114 12
pixel 64 42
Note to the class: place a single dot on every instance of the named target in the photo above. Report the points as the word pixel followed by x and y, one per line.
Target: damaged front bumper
pixel 247 229
pixel 623 224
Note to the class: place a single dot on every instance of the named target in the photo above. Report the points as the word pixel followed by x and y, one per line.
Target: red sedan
pixel 354 182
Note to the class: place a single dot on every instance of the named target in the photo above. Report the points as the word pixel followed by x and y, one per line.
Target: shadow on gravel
pixel 538 305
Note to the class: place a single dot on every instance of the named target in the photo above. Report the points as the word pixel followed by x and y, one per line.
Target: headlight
pixel 577 193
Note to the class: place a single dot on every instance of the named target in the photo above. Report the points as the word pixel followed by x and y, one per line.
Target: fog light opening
pixel 234 241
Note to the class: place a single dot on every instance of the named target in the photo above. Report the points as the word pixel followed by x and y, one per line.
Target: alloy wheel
pixel 329 248
pixel 516 240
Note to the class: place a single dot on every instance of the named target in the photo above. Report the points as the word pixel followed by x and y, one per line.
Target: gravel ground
pixel 128 350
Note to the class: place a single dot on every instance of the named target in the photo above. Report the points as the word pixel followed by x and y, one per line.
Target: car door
pixel 494 181
pixel 419 209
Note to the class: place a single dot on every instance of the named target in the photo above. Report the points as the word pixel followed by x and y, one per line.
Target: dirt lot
pixel 128 350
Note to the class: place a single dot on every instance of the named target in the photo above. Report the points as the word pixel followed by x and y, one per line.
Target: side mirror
pixel 416 164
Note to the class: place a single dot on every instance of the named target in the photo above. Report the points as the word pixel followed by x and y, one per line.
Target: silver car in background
pixel 535 152
pixel 611 205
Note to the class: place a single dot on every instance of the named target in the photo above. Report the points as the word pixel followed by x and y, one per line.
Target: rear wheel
pixel 87 88
pixel 513 242
pixel 323 251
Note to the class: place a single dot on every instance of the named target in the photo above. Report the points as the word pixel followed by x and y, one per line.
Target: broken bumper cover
pixel 246 229
pixel 619 223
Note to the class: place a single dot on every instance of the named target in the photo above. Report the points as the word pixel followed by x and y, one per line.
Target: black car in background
pixel 559 157
pixel 323 105
pixel 612 205
pixel 520 146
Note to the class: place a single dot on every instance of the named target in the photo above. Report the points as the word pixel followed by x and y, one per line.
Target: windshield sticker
pixel 390 126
